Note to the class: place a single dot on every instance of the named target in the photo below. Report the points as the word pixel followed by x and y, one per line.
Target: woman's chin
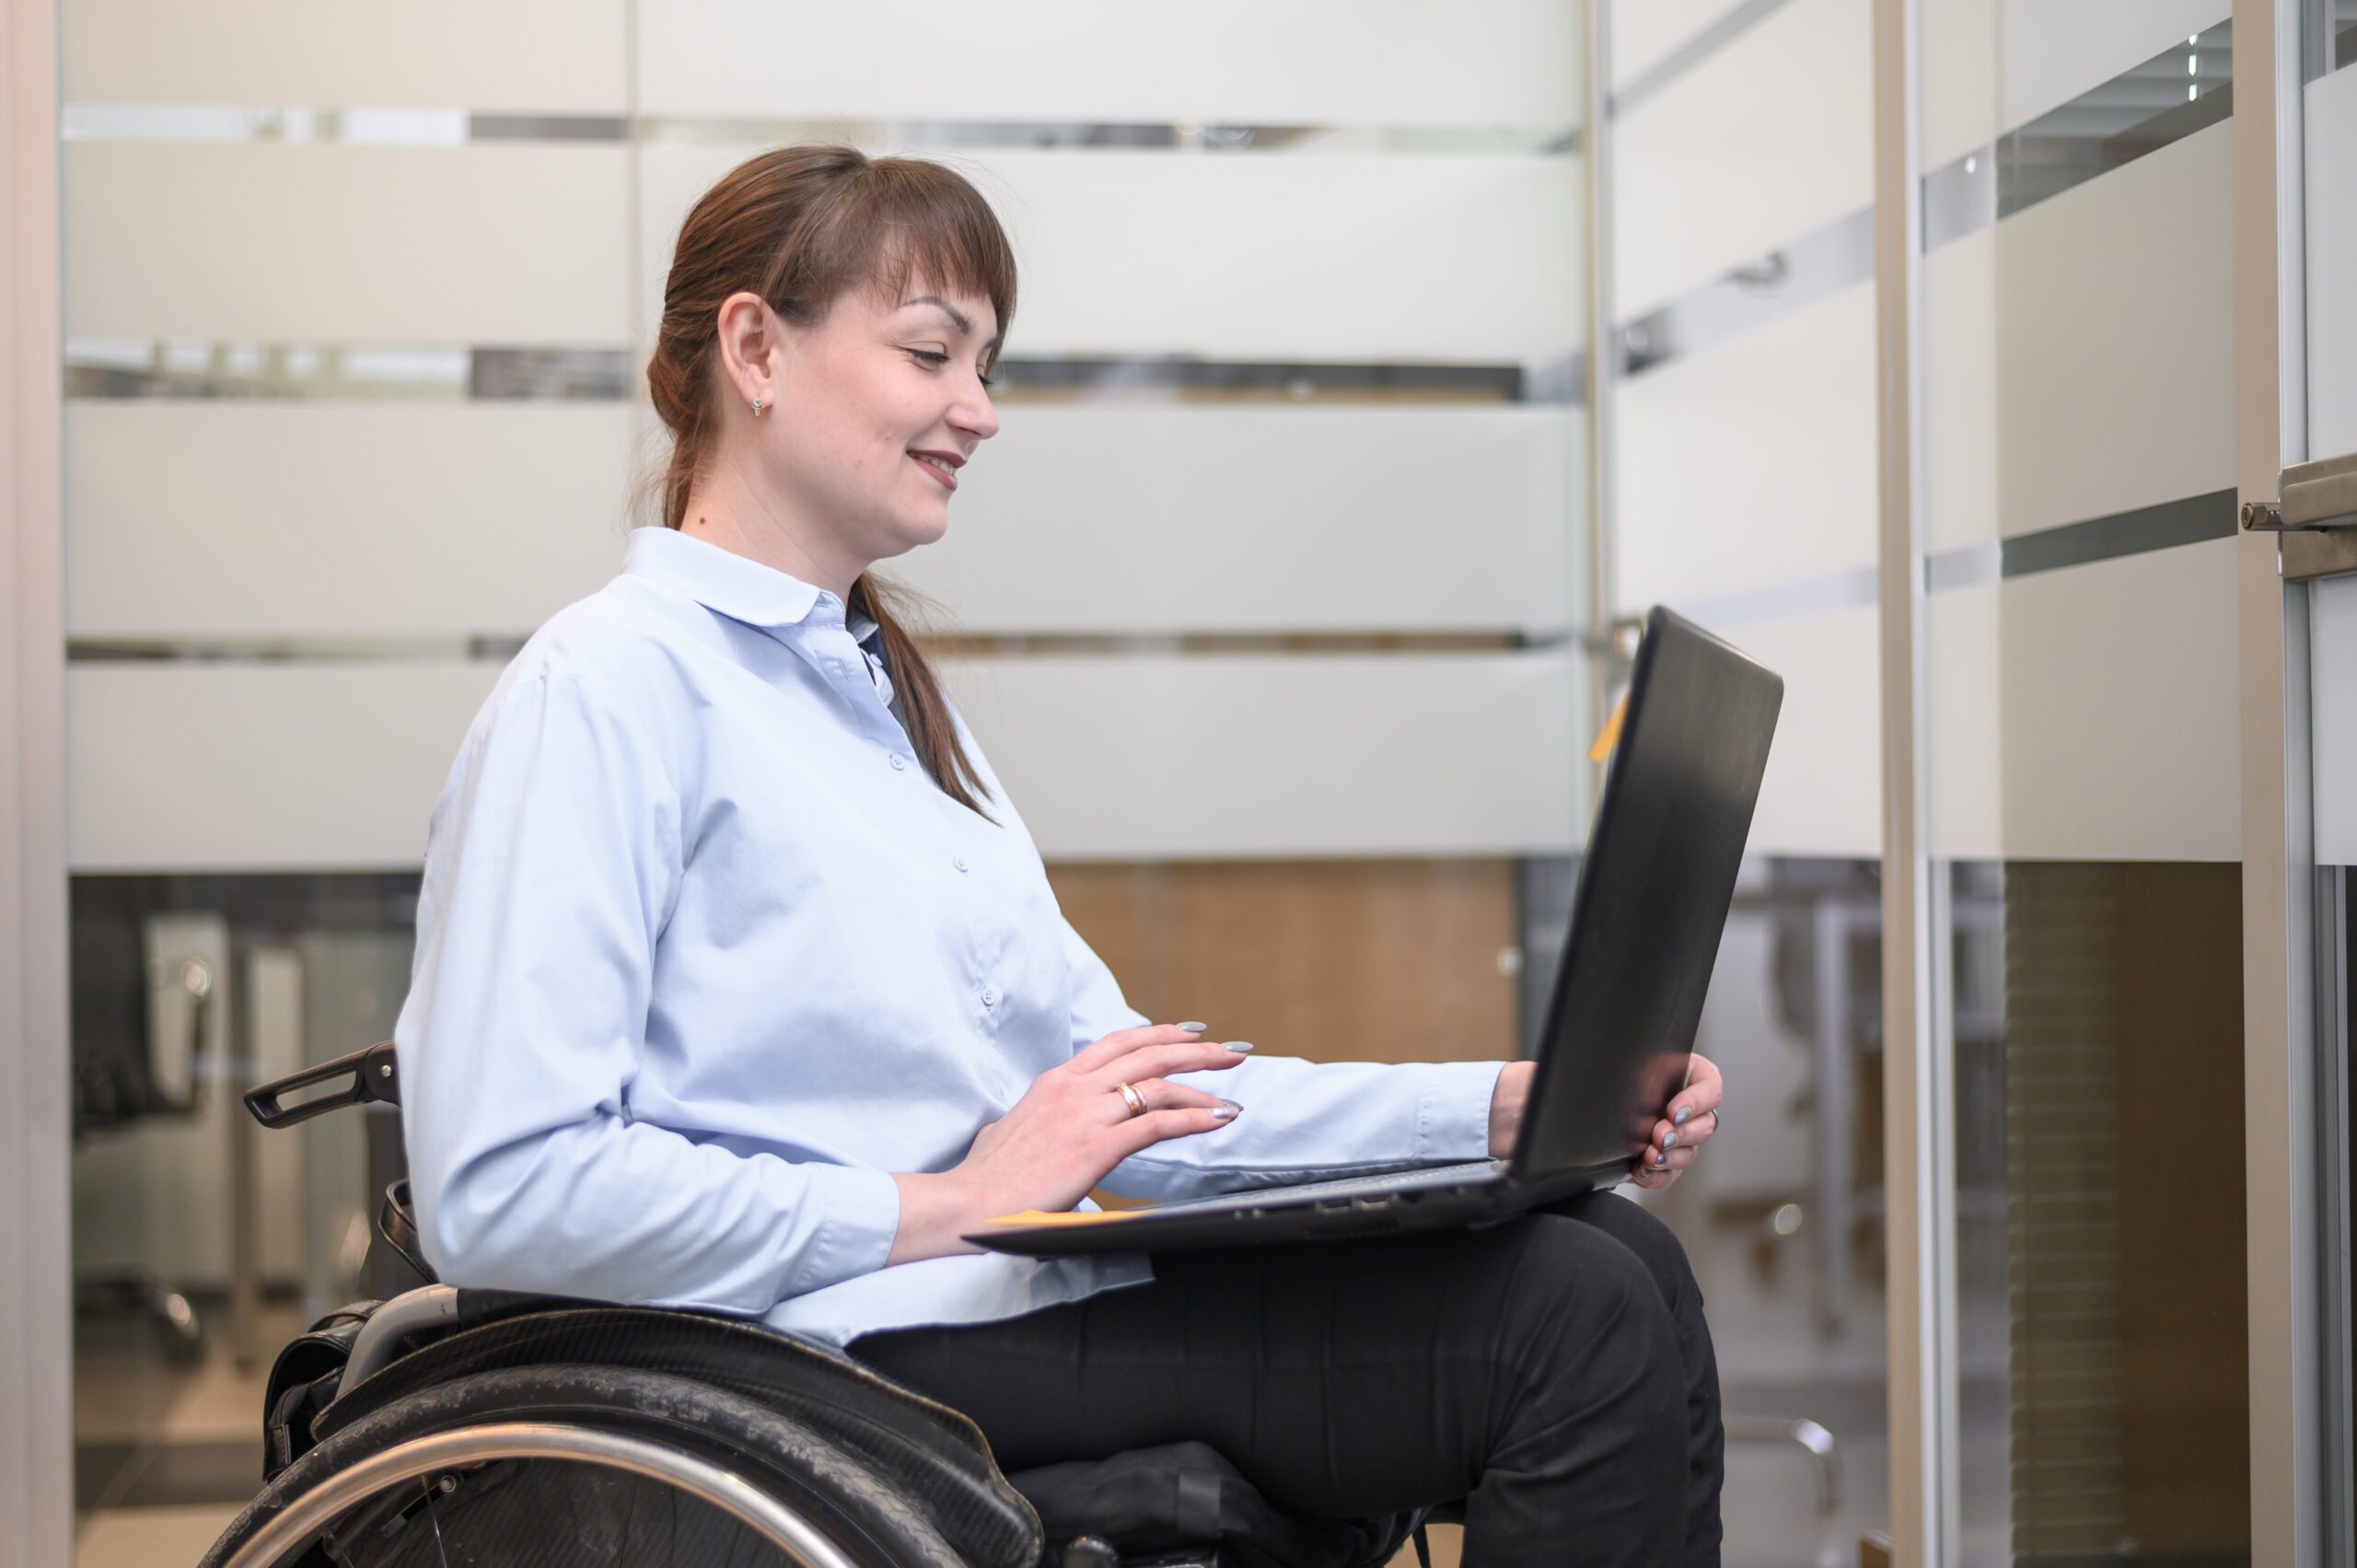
pixel 925 528
pixel 906 533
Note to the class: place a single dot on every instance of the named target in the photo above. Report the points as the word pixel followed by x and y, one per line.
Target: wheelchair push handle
pixel 361 1078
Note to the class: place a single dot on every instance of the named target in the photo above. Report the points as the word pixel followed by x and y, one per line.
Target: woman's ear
pixel 752 343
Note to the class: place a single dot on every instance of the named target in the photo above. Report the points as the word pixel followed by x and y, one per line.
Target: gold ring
pixel 1131 1098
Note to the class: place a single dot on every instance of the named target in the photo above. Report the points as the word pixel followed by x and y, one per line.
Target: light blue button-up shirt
pixel 704 955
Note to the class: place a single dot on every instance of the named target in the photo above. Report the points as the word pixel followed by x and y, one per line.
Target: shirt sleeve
pixel 1302 1120
pixel 553 865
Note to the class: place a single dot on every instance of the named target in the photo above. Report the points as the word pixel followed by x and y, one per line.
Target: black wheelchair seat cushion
pixel 1187 1494
pixel 925 1449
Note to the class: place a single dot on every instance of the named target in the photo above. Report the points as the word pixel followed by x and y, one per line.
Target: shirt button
pixel 899 761
pixel 959 862
pixel 989 997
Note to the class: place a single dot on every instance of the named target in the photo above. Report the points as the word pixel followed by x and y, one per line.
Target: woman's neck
pixel 729 515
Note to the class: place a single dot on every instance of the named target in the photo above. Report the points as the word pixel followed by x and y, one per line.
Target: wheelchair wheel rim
pixel 298 1524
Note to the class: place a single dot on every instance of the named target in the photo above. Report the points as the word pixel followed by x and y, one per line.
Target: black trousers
pixel 1555 1373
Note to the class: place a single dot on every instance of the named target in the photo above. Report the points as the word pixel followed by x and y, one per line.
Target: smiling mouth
pixel 940 471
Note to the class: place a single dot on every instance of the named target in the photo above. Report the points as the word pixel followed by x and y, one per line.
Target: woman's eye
pixel 937 360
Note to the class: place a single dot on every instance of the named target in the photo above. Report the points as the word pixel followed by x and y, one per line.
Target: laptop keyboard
pixel 1350 1186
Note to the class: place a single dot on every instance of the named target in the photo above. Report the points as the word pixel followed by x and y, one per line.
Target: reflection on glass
pixel 1783 1215
pixel 2097 1017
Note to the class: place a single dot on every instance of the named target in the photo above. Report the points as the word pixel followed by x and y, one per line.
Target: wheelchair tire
pixel 574 1513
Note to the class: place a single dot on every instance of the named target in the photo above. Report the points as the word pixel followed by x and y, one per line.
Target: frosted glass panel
pixel 1765 140
pixel 194 767
pixel 1458 259
pixel 537 56
pixel 259 520
pixel 1750 463
pixel 1306 62
pixel 325 242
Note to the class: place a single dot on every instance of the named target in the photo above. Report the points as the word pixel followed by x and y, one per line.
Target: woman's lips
pixel 949 481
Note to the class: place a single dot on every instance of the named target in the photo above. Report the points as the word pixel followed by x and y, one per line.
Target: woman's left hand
pixel 1689 1123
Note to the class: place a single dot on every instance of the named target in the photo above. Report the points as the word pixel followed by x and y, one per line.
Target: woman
pixel 740 986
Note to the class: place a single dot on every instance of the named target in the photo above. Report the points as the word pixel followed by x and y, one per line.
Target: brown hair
pixel 802 226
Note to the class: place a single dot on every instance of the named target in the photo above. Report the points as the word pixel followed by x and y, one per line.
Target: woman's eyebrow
pixel 949 310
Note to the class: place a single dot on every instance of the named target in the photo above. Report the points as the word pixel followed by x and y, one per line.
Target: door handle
pixel 2315 522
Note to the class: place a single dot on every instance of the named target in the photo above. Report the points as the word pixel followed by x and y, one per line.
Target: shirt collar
pixel 737 585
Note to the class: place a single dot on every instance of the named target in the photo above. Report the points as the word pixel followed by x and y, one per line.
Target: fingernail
pixel 1683 1112
pixel 1228 1110
pixel 1239 1045
pixel 1661 1158
pixel 1669 1140
pixel 1197 1027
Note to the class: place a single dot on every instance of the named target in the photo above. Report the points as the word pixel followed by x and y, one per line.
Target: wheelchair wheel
pixel 578 1464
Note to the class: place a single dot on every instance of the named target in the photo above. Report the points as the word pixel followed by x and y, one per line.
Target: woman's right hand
pixel 1070 1129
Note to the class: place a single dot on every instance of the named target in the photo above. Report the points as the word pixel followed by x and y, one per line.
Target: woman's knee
pixel 1654 1243
pixel 1578 1279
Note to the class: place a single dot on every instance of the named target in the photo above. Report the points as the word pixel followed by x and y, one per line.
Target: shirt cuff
pixel 1453 1113
pixel 862 1210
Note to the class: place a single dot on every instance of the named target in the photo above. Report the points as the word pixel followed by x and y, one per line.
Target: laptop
pixel 1646 917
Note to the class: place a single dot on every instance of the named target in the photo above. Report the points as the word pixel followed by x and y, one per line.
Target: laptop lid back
pixel 1653 897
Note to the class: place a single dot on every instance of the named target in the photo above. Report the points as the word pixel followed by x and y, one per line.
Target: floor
pixel 165 1455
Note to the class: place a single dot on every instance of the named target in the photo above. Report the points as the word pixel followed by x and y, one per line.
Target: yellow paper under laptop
pixel 1039 1217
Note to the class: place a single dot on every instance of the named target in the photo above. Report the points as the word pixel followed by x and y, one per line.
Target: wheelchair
pixel 456 1428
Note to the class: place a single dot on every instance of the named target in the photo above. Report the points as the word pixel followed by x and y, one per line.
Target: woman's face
pixel 861 396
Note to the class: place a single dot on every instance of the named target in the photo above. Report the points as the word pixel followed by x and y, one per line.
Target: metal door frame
pixel 36 1330
pixel 2292 1521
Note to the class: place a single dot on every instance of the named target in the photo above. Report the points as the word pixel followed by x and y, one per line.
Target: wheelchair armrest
pixel 361 1078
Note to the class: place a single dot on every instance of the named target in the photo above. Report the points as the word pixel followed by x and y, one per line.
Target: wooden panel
pixel 1335 960
pixel 2185 1418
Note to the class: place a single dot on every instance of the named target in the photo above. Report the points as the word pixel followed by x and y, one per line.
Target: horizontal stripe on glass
pixel 139 367
pixel 2188 520
pixel 2191 520
pixel 1693 52
pixel 2162 100
pixel 425 126
pixel 2153 105
pixel 502 647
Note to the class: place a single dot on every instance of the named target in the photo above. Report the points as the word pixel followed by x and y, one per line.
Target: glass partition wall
pixel 1264 602
pixel 1292 502
pixel 1742 445
pixel 2081 824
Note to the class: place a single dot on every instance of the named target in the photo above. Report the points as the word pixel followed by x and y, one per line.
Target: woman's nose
pixel 977 414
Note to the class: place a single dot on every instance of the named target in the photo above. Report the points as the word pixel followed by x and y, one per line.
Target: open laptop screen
pixel 1653 892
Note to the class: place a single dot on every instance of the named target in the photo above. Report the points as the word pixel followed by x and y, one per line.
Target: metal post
pixel 1602 366
pixel 36 1323
pixel 1921 1533
pixel 2279 1133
